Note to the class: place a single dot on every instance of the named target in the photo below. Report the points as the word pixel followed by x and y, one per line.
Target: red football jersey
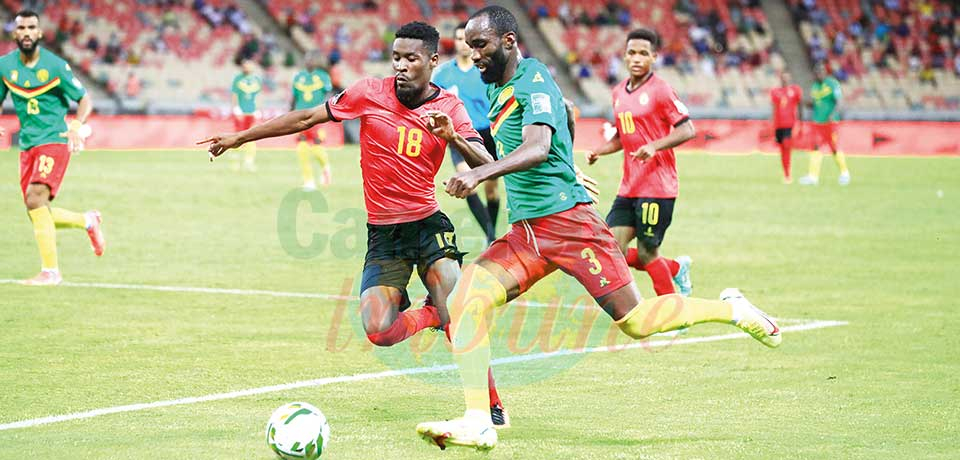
pixel 645 114
pixel 785 102
pixel 399 156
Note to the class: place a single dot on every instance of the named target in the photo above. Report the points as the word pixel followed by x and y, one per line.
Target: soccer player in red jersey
pixel 404 132
pixel 651 121
pixel 787 109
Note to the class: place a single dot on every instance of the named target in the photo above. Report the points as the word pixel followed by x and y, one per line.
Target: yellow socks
pixel 841 161
pixel 671 312
pixel 303 157
pixel 471 306
pixel 46 234
pixel 816 159
pixel 249 154
pixel 63 218
pixel 320 154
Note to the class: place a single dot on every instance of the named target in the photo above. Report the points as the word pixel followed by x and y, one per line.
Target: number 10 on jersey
pixel 409 142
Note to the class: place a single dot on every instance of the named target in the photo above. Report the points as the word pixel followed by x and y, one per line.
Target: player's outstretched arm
pixel 680 134
pixel 289 123
pixel 531 152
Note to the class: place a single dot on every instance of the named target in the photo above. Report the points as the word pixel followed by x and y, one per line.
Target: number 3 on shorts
pixel 591 257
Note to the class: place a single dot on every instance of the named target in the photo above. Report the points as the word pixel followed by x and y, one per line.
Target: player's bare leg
pixel 440 280
pixel 385 324
pixel 491 189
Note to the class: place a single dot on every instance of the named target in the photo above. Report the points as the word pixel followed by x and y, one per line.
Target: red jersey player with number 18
pixel 651 121
pixel 406 123
pixel 787 109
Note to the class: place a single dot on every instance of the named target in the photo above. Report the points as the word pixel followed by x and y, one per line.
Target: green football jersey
pixel 826 95
pixel 533 97
pixel 40 95
pixel 310 89
pixel 246 88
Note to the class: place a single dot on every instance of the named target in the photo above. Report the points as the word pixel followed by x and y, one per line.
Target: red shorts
pixel 44 164
pixel 245 121
pixel 825 134
pixel 576 241
pixel 315 134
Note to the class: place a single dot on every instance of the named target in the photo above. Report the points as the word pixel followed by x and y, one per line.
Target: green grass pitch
pixel 882 254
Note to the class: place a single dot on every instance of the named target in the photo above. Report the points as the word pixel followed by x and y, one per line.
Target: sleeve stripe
pixel 684 120
pixel 475 139
pixel 330 112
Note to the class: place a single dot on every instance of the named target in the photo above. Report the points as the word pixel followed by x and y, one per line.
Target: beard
pixel 407 96
pixel 496 67
pixel 27 49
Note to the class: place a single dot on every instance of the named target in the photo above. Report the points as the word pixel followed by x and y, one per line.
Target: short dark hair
pixel 421 31
pixel 501 19
pixel 27 14
pixel 649 35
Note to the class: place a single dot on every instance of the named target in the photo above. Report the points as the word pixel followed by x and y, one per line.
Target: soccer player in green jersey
pixel 41 84
pixel 826 113
pixel 554 226
pixel 310 89
pixel 245 88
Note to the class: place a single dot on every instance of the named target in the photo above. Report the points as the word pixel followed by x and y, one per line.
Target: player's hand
pixel 588 183
pixel 440 124
pixel 3 132
pixel 221 143
pixel 591 156
pixel 645 153
pixel 74 136
pixel 462 184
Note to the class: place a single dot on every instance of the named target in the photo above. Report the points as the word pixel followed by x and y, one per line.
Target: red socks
pixel 661 271
pixel 407 324
pixel 785 148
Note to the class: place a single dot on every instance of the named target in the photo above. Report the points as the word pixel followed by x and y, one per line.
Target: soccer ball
pixel 298 430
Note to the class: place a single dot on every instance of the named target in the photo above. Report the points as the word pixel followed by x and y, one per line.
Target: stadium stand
pixel 705 42
pixel 892 54
pixel 168 52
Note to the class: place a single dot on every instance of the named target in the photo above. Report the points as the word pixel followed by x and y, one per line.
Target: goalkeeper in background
pixel 310 89
pixel 40 84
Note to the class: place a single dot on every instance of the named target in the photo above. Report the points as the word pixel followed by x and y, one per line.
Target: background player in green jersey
pixel 245 88
pixel 310 89
pixel 41 84
pixel 827 97
pixel 555 226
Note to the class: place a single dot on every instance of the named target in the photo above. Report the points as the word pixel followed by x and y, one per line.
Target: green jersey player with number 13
pixel 40 84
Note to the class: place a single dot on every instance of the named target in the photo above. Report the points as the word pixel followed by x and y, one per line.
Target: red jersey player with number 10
pixel 406 123
pixel 651 121
pixel 787 109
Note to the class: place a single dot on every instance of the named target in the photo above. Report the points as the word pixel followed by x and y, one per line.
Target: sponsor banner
pixel 719 136
pixel 855 137
pixel 164 131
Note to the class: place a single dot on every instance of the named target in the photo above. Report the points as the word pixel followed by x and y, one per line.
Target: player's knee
pixel 381 339
pixel 36 198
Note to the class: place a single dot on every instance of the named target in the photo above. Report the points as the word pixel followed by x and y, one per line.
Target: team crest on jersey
pixel 13 75
pixel 505 95
pixel 43 75
pixel 537 78
pixel 644 98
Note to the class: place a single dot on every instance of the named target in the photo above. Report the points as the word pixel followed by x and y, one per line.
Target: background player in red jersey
pixel 404 132
pixel 787 109
pixel 651 121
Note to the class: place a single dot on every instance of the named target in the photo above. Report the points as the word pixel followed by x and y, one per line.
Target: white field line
pixel 298 295
pixel 391 373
